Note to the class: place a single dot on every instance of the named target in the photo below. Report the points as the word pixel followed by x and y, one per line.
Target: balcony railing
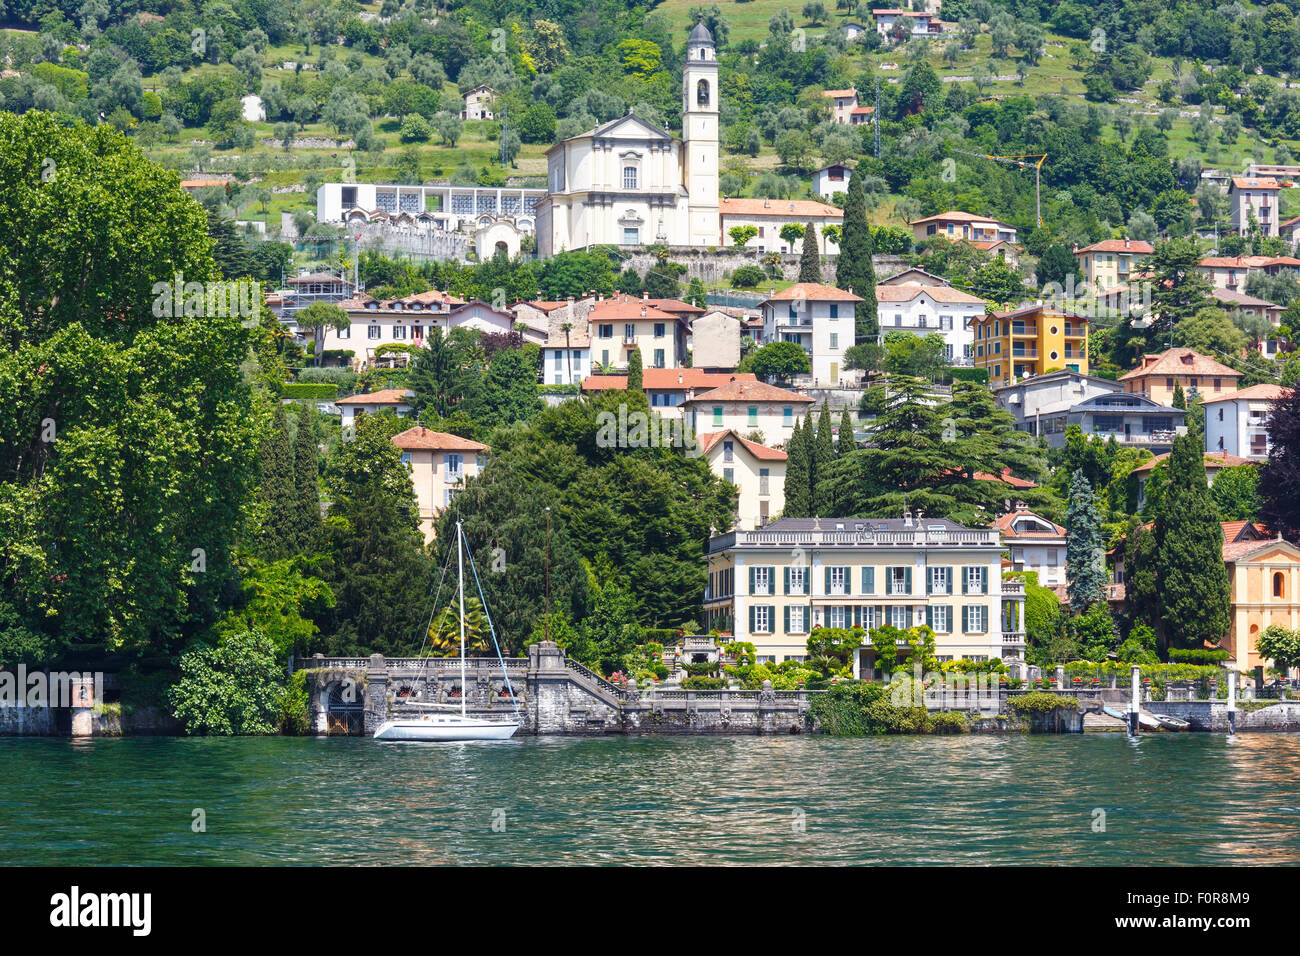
pixel 1024 353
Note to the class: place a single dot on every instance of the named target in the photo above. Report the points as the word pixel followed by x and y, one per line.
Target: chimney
pixel 1126 242
pixel 767 203
pixel 680 378
pixel 644 294
pixel 907 519
pixel 643 311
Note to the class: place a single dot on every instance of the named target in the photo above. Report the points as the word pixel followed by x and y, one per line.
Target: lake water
pixel 971 800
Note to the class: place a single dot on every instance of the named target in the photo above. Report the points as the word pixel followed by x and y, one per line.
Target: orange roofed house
pixel 1158 375
pixel 747 407
pixel 439 464
pixel 758 472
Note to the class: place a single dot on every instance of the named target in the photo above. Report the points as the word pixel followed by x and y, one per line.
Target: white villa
pixel 758 472
pixel 818 317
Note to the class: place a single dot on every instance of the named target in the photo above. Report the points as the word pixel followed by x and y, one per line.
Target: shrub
pixel 962 374
pixel 234 688
pixel 704 683
pixel 746 277
pixel 293 719
pixel 325 391
pixel 1197 655
pixel 1040 702
pixel 950 722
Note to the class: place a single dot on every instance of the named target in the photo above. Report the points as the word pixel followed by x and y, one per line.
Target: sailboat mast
pixel 460 575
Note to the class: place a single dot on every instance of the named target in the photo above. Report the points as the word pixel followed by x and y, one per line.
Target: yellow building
pixel 1030 341
pixel 1264 577
pixel 774 585
pixel 1107 263
pixel 439 465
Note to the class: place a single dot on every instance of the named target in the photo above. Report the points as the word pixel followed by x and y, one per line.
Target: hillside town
pixel 773 357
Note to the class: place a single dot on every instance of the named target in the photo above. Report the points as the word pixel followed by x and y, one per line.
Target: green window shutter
pixel 751 619
pixel 929 617
pixel 827 573
pixel 771 583
pixel 786 576
pixel 965 618
pixel 950 574
pixel 889 580
pixel 907 580
pixel 787 618
pixel 751 580
pixel 848 580
pixel 857 616
pixel 964 579
pixel 984 580
pixel 868 580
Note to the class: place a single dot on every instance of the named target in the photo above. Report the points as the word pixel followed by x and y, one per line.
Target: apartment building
pixel 623 323
pixel 1030 341
pixel 923 309
pixel 768 216
pixel 1235 423
pixel 758 472
pixel 1158 376
pixel 1110 262
pixel 439 464
pixel 1032 399
pixel 1034 544
pixel 819 318
pixel 772 586
pixel 1232 272
pixel 1254 197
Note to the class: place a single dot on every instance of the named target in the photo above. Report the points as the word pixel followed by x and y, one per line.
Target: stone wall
pixel 1212 715
pixel 26 721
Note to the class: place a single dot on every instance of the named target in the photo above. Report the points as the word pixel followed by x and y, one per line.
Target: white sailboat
pixel 450 726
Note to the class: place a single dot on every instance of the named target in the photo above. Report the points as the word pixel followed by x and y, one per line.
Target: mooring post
pixel 1232 702
pixel 1135 703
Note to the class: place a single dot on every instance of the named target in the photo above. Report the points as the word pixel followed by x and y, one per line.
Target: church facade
pixel 629 183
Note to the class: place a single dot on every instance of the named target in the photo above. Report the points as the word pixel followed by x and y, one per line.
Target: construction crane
pixel 1022 160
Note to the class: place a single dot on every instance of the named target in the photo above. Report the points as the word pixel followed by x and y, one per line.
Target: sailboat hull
pixel 442 727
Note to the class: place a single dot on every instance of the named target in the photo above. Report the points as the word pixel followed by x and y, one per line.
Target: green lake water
pixel 971 800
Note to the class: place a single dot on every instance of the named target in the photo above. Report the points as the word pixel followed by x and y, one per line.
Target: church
pixel 628 183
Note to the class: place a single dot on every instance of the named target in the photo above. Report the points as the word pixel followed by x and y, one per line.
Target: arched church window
pixel 702 93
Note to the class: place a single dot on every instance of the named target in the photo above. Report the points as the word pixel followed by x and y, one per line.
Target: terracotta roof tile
pixel 1118 245
pixel 761 452
pixel 667 379
pixel 755 391
pixel 1213 459
pixel 422 438
pixel 796 208
pixel 1180 362
pixel 1263 392
pixel 813 292
pixel 385 396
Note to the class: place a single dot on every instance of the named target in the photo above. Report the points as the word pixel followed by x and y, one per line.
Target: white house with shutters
pixel 773 585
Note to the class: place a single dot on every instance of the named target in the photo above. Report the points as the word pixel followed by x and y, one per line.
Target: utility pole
pixel 876 116
pixel 505 125
pixel 548 573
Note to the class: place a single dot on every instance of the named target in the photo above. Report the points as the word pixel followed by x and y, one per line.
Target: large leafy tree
pixel 645 508
pixel 925 453
pixel 127 434
pixel 854 269
pixel 1279 480
pixel 379 571
pixel 1083 552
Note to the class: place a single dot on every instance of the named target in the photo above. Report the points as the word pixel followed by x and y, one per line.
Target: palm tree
pixel 568 353
pixel 444 635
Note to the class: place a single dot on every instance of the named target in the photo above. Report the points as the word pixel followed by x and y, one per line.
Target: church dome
pixel 700 34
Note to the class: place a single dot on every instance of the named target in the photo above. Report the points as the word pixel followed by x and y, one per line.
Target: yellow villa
pixel 439 464
pixel 1030 341
pixel 1264 577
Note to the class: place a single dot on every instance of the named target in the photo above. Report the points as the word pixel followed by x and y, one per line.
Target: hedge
pixel 326 391
pixel 963 374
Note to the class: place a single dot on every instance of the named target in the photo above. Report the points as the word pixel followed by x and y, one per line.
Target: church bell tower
pixel 700 138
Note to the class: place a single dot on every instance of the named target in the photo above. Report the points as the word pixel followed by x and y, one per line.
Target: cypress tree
pixel 796 476
pixel 277 493
pixel 846 442
pixel 306 482
pixel 822 458
pixel 810 263
pixel 1279 479
pixel 1193 580
pixel 635 376
pixel 1083 551
pixel 1180 400
pixel 854 268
